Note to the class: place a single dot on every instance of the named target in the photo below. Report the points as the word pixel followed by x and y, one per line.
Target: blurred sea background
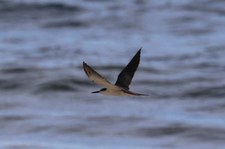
pixel 45 97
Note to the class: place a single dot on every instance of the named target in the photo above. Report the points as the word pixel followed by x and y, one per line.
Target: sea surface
pixel 45 97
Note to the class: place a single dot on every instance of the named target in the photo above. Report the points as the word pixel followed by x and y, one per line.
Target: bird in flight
pixel 121 87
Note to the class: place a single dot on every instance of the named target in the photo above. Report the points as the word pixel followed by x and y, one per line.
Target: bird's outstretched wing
pixel 125 77
pixel 96 77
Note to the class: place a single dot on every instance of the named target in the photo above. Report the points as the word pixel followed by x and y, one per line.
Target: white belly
pixel 115 92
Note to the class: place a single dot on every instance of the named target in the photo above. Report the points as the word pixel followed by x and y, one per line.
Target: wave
pixel 21 12
pixel 190 132
pixel 68 23
pixel 211 91
pixel 64 85
pixel 26 7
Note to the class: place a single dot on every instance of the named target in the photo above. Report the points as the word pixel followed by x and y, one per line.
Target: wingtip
pixel 140 49
pixel 85 67
pixel 84 64
pixel 138 94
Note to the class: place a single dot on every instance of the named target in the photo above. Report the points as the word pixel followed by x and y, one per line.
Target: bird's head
pixel 101 90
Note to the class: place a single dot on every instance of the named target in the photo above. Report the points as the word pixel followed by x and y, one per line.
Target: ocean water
pixel 45 97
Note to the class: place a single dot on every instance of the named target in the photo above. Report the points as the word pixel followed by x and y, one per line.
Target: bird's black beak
pixel 95 92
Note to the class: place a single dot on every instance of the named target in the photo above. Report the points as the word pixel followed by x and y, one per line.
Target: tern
pixel 121 87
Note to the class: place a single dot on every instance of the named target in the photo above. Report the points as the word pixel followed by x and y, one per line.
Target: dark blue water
pixel 45 97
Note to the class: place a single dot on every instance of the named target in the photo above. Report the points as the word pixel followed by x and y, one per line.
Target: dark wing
pixel 96 77
pixel 125 77
pixel 134 94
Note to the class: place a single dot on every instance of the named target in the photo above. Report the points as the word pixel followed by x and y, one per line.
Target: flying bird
pixel 121 87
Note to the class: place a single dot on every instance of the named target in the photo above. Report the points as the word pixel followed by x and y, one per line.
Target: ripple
pixel 61 24
pixel 14 118
pixel 16 7
pixel 16 70
pixel 58 85
pixel 10 84
pixel 159 131
pixel 191 132
pixel 209 92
